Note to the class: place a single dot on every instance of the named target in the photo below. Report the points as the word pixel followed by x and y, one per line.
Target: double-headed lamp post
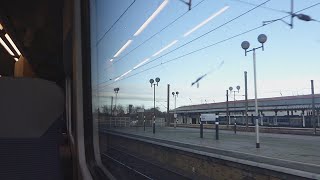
pixel 175 95
pixel 245 45
pixel 152 82
pixel 234 100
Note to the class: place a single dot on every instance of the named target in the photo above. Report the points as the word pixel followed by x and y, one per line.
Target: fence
pixel 116 122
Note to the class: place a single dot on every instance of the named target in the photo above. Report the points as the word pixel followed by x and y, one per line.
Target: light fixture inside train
pixel 12 44
pixel 9 45
pixel 6 47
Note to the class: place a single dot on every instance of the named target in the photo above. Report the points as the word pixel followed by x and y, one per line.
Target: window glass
pixel 140 48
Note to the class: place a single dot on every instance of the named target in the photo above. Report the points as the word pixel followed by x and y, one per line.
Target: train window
pixel 174 81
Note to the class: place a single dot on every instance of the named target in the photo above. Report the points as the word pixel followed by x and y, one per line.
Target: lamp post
pixel 234 105
pixel 217 127
pixel 245 45
pixel 152 82
pixel 175 95
pixel 116 91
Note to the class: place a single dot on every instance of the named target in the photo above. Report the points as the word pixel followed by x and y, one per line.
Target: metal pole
pixel 256 99
pixel 234 113
pixel 175 101
pixel 168 103
pixel 201 129
pixel 137 121
pixel 292 16
pixel 228 117
pixel 144 123
pixel 246 96
pixel 276 114
pixel 217 130
pixel 190 4
pixel 111 105
pixel 175 106
pixel 115 103
pixel 313 109
pixel 303 120
pixel 318 118
pixel 234 103
pixel 154 109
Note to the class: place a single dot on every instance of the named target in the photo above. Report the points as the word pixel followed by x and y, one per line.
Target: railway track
pixel 129 166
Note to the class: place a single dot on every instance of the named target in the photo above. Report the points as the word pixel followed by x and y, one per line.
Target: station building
pixel 293 111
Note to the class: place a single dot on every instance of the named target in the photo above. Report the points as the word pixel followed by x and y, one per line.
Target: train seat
pixel 30 120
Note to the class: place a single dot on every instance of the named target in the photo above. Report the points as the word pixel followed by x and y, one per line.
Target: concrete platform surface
pixel 291 151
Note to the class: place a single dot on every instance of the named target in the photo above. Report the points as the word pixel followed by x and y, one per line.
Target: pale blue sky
pixel 289 62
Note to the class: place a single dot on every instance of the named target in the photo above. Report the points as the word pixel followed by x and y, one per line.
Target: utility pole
pixel 188 3
pixel 168 103
pixel 228 117
pixel 313 109
pixel 246 96
pixel 292 15
pixel 300 16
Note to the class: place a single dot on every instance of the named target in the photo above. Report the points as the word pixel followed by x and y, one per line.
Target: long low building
pixel 277 111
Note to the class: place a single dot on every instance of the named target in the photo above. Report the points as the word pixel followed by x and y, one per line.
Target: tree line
pixel 130 111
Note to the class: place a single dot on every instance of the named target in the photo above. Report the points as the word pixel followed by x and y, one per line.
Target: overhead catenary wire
pixel 155 34
pixel 115 61
pixel 264 7
pixel 252 4
pixel 187 54
pixel 151 37
pixel 316 20
pixel 304 17
pixel 106 32
pixel 268 8
pixel 195 39
pixel 216 43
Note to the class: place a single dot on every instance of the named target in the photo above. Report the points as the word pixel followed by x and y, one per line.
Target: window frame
pixel 91 136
